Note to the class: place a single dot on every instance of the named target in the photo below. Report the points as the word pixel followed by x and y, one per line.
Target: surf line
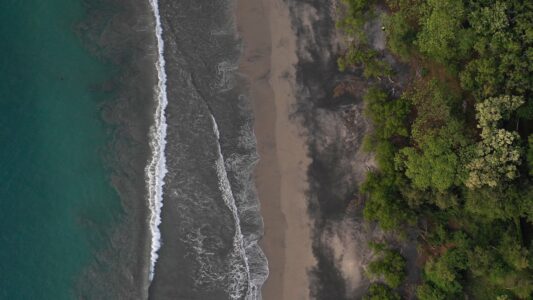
pixel 237 287
pixel 157 169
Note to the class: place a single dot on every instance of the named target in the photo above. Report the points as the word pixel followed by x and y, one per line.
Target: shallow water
pixel 210 215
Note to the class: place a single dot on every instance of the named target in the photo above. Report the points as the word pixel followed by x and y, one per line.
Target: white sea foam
pixel 156 169
pixel 240 274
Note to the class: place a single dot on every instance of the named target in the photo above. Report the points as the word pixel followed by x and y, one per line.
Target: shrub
pixel 390 265
pixel 378 291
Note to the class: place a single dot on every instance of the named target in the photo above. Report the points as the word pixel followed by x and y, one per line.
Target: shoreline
pixel 210 216
pixel 268 63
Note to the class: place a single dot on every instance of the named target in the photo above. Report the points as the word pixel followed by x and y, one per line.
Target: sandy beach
pixel 268 62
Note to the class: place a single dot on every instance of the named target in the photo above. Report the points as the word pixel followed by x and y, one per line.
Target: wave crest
pixel 156 169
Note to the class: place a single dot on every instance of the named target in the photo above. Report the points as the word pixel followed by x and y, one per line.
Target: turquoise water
pixel 56 200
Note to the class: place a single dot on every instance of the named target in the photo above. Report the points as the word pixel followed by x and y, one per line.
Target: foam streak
pixel 240 275
pixel 156 169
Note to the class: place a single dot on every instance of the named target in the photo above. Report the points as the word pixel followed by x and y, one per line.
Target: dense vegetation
pixel 389 265
pixel 455 150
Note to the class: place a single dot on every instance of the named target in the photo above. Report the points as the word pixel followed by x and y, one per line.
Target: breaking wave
pixel 156 169
pixel 240 278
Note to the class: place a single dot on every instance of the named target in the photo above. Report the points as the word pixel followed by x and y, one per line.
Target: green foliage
pixel 361 55
pixel 400 35
pixel 442 36
pixel 530 154
pixel 498 274
pixel 378 291
pixel 384 203
pixel 513 253
pixel 413 197
pixel 428 291
pixel 356 14
pixel 358 52
pixel 389 265
pixel 385 152
pixel 499 262
pixel 482 260
pixel 500 203
pixel 369 143
pixel 389 116
pixel 435 161
pixel 498 155
pixel 478 77
pixel 435 165
pixel 525 112
pixel 443 275
pixel 497 159
pixel 445 271
pixel 467 190
pixel 493 110
pixel 503 40
pixel 433 103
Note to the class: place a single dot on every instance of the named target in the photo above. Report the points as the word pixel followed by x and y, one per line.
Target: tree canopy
pixel 454 149
pixel 499 154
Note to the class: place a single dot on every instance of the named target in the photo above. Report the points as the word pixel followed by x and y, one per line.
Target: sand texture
pixel 268 62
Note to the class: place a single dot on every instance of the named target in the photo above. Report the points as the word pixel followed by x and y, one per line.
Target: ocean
pixel 56 200
pixel 127 152
pixel 72 226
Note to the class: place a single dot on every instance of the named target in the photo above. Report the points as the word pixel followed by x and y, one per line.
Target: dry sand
pixel 268 63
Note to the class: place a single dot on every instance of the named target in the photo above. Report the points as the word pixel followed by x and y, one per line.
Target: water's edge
pixel 210 223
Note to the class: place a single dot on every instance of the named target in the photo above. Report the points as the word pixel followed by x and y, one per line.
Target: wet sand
pixel 268 63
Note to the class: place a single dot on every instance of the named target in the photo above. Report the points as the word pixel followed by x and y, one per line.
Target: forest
pixel 454 149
